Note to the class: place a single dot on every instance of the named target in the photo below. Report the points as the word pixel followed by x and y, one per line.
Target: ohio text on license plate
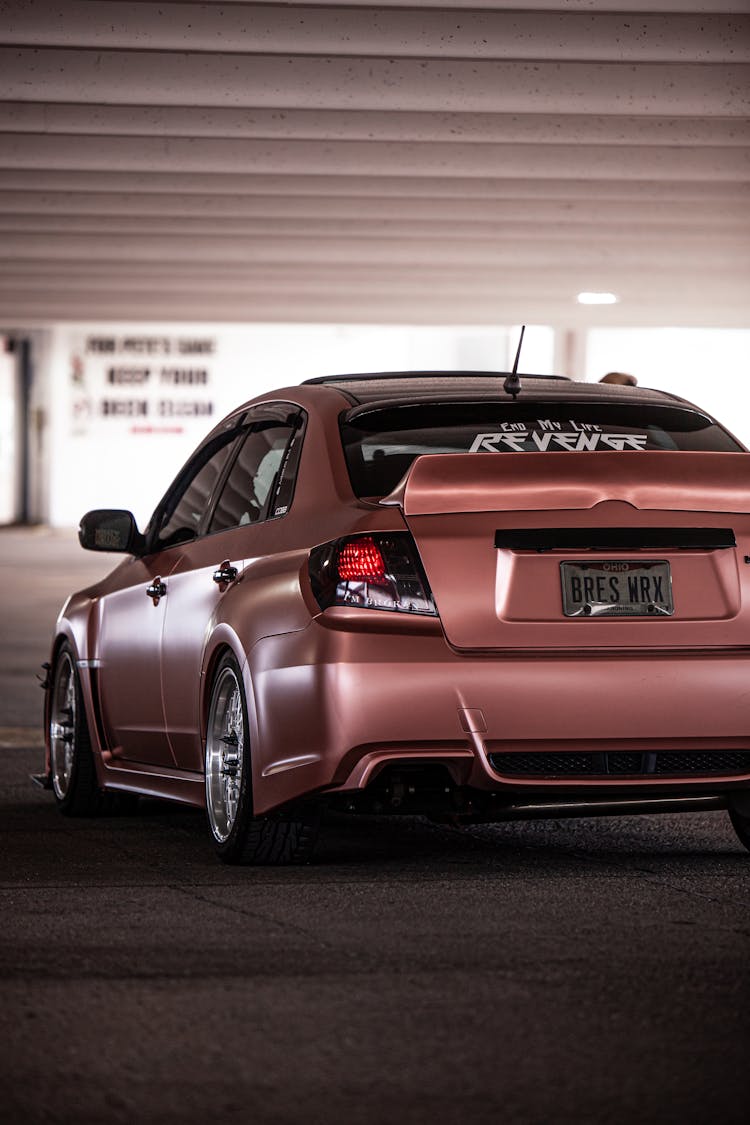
pixel 613 588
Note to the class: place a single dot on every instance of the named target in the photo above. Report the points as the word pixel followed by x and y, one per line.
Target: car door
pixel 131 618
pixel 130 628
pixel 212 569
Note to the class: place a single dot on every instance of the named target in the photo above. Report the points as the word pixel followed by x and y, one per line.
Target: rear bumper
pixel 334 704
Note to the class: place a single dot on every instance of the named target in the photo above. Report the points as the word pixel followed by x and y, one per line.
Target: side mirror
pixel 110 529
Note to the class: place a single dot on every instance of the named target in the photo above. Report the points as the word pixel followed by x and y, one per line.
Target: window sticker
pixel 545 436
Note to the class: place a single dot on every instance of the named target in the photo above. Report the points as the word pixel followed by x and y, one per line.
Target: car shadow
pixel 164 838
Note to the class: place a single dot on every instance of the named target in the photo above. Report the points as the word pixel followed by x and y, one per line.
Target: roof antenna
pixel 512 385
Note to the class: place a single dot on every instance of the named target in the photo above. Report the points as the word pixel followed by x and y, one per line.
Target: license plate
pixel 611 588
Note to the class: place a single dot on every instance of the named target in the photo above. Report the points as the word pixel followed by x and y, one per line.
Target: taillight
pixel 379 571
pixel 361 560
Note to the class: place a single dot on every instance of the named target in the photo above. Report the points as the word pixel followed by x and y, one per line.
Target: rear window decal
pixel 381 443
pixel 550 436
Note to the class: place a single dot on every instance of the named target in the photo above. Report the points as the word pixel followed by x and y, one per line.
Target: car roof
pixel 390 388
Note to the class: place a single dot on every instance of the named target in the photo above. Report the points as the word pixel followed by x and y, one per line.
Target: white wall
pixel 711 367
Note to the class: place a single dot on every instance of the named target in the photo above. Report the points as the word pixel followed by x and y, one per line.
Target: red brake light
pixel 379 571
pixel 361 561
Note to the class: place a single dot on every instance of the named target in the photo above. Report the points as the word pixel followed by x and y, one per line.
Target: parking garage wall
pixel 117 408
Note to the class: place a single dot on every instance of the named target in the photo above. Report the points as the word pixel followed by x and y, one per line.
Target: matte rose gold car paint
pixel 506 599
pixel 333 696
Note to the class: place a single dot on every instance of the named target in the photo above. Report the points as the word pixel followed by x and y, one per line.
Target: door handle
pixel 156 590
pixel 225 574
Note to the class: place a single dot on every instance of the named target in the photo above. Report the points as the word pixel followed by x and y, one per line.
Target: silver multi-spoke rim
pixel 62 725
pixel 225 752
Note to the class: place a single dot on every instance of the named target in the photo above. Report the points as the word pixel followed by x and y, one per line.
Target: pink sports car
pixel 438 593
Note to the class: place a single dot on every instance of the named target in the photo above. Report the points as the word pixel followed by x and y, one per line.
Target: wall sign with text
pixel 146 384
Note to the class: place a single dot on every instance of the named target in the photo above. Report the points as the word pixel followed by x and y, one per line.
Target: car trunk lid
pixel 514 545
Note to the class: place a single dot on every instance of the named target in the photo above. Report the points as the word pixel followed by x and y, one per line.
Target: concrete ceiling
pixel 424 163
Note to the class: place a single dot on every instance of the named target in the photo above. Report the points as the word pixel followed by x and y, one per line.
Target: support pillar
pixel 570 352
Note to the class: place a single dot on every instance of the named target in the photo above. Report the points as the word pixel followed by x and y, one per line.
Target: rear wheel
pixel 72 768
pixel 240 837
pixel 741 825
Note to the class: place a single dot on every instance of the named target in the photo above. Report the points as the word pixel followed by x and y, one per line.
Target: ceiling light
pixel 597 299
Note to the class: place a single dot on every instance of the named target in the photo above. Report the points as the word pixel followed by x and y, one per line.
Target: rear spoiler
pixel 516 482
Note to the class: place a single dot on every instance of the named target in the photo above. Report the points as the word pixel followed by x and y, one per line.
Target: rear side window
pixel 180 518
pixel 381 444
pixel 260 483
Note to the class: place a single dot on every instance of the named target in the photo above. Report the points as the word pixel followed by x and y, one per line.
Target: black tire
pixel 741 825
pixel 283 837
pixel 72 768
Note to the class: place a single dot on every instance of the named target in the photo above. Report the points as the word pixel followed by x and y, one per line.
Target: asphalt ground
pixel 572 971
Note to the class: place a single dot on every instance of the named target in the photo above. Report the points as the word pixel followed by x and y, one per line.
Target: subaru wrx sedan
pixel 423 593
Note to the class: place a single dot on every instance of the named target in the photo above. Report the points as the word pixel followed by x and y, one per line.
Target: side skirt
pixel 153 781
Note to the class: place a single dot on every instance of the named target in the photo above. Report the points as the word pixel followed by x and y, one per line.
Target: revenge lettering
pixel 568 442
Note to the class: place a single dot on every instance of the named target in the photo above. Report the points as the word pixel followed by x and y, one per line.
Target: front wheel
pixel 72 769
pixel 240 837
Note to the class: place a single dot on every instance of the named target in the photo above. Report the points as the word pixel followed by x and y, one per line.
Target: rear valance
pixel 516 482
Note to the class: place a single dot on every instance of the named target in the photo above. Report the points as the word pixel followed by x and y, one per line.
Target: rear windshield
pixel 380 444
